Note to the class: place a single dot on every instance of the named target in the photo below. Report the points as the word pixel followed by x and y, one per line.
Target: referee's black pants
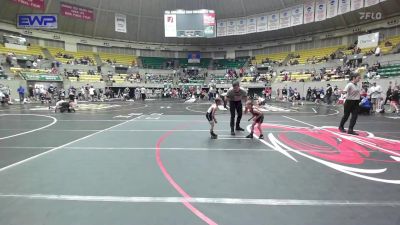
pixel 238 107
pixel 350 107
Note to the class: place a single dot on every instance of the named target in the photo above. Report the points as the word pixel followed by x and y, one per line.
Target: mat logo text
pixel 365 156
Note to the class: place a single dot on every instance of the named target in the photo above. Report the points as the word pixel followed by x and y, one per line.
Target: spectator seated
pixel 274 58
pixel 388 44
pixel 317 55
pixel 295 76
pixel 66 57
pixel 120 59
pixel 89 76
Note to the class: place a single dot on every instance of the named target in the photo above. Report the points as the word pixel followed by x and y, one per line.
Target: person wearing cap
pixel 235 96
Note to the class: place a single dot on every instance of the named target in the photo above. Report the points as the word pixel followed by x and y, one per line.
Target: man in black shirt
pixel 308 96
pixel 234 96
pixel 328 95
pixel 284 93
pixel 388 93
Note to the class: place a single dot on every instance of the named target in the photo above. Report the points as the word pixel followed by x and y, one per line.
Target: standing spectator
pixel 388 92
pixel 351 105
pixel 30 92
pixel 284 93
pixel 394 102
pixel 91 93
pixel 21 92
pixel 86 93
pixel 375 93
pixel 72 93
pixel 37 93
pixel 378 51
pixel 328 96
pixel 235 96
pixel 308 95
pixel 336 95
pixel 50 90
pixel 143 93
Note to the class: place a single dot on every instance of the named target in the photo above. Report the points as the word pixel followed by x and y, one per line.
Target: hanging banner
pixel 221 28
pixel 309 12
pixel 332 8
pixel 170 25
pixel 284 18
pixel 297 16
pixel 273 21
pixel 356 4
pixel 230 27
pixel 76 11
pixel 241 26
pixel 120 23
pixel 262 23
pixel 368 40
pixel 320 10
pixel 35 4
pixel 251 25
pixel 370 2
pixel 344 6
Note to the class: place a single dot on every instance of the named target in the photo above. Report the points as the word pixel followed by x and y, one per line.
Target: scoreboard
pixel 190 23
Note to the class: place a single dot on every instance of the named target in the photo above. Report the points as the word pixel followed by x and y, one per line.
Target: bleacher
pixel 221 64
pixel 197 80
pixel 221 79
pixel 120 78
pixel 295 76
pixel 76 55
pixel 273 57
pixel 204 63
pixel 85 77
pixel 15 70
pixel 395 40
pixel 317 53
pixel 153 62
pixel 33 50
pixel 127 60
pixel 391 70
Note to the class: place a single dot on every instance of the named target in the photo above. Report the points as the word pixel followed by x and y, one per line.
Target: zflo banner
pixel 76 11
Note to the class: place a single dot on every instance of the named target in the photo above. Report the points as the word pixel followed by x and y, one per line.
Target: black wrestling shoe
pixel 250 136
pixel 233 133
pixel 239 129
pixel 261 137
pixel 341 129
pixel 352 132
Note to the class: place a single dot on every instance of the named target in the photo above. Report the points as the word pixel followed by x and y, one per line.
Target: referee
pixel 234 96
pixel 351 104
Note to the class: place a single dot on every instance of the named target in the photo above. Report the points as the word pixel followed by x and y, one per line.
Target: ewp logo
pixel 35 21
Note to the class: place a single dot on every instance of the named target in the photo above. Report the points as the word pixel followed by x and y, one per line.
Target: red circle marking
pixel 187 197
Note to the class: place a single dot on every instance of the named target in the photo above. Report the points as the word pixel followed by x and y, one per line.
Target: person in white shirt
pixel 375 94
pixel 378 51
pixel 351 105
pixel 91 93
